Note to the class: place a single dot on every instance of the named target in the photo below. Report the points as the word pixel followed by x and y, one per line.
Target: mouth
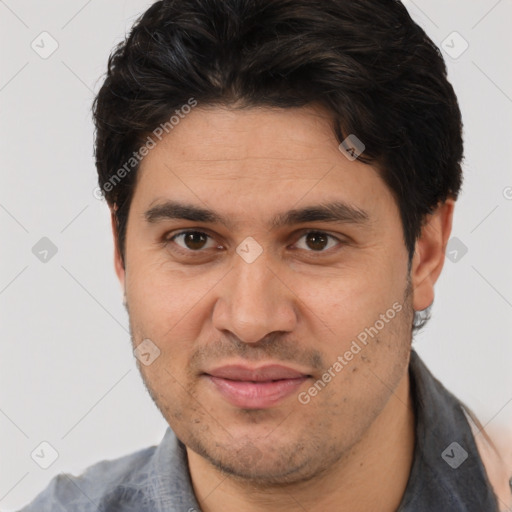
pixel 255 388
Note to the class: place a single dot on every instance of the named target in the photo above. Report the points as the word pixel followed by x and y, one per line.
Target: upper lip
pixel 260 374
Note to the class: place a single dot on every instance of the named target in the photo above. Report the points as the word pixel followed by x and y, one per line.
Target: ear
pixel 118 260
pixel 429 254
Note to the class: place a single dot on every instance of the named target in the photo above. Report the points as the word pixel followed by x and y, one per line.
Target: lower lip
pixel 256 395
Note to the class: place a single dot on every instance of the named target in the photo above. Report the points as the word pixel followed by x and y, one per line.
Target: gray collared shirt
pixel 447 472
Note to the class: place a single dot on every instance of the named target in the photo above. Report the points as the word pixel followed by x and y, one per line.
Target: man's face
pixel 225 298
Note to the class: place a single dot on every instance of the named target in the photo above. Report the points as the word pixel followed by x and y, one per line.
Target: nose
pixel 254 301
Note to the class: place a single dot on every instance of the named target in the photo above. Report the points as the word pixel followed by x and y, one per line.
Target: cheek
pixel 344 303
pixel 156 297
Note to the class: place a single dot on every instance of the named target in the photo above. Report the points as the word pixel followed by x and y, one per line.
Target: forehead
pixel 257 158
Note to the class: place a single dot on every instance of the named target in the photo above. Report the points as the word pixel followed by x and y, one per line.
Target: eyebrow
pixel 335 211
pixel 177 210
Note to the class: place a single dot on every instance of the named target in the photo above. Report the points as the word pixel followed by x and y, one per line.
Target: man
pixel 282 178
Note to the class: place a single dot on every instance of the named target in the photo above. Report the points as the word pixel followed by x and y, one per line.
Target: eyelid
pixel 175 232
pixel 307 231
pixel 169 237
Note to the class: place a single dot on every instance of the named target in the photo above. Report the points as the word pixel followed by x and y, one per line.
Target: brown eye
pixel 316 241
pixel 192 240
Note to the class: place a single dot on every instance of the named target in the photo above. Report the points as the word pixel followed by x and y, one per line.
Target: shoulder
pixel 442 420
pixel 101 484
pixel 495 449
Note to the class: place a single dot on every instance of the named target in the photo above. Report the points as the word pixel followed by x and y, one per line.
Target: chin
pixel 267 463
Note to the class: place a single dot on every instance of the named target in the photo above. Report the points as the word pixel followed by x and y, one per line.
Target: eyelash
pixel 184 250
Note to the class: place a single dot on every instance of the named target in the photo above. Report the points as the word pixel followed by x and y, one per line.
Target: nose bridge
pixel 254 302
pixel 253 280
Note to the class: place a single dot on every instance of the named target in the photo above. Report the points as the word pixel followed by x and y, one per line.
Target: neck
pixel 372 476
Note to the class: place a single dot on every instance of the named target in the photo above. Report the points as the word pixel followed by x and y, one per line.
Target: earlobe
pixel 428 259
pixel 118 261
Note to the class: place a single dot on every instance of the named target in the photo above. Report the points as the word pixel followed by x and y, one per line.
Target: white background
pixel 67 374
